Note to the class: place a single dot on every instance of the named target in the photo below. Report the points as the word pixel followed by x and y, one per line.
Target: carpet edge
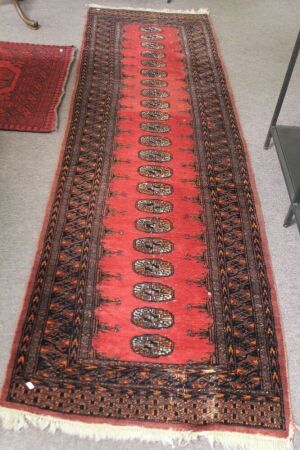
pixel 59 98
pixel 163 10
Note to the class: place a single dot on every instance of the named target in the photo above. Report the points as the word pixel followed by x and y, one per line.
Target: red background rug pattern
pixel 32 79
pixel 153 255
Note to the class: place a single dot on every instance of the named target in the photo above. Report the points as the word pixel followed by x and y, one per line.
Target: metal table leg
pixel 31 23
pixel 289 217
pixel 283 89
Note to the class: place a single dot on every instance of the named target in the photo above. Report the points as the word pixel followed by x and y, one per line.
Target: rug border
pixel 119 423
pixel 264 242
pixel 52 122
pixel 42 233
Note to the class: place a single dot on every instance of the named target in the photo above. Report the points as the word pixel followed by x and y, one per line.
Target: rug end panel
pixel 16 420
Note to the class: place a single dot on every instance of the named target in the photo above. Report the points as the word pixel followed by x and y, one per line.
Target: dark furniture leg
pixel 31 23
pixel 283 89
pixel 288 218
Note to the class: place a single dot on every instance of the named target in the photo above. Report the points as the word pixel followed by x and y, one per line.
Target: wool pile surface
pixel 151 302
pixel 32 79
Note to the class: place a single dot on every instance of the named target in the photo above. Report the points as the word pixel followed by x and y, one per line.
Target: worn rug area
pixel 32 79
pixel 151 304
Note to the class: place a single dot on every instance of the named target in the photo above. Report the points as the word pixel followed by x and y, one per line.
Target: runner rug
pixel 32 79
pixel 151 305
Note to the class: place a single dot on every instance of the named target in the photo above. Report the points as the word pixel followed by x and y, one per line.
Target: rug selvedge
pixel 240 384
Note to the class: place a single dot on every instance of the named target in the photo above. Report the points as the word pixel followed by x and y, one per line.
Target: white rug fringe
pixel 163 10
pixel 17 420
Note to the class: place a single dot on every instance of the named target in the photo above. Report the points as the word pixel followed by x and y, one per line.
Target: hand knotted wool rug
pixel 32 79
pixel 150 312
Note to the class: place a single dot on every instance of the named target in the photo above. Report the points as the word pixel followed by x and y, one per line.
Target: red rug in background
pixel 32 79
